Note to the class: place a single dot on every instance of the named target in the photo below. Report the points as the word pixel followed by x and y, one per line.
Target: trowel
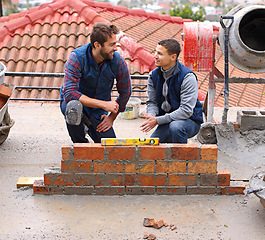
pixel 225 132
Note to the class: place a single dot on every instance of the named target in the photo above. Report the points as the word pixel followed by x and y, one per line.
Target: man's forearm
pixel 91 102
pixel 109 106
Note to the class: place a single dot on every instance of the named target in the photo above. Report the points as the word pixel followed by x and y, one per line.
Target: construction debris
pixel 149 237
pixel 172 227
pixel 149 222
pixel 159 224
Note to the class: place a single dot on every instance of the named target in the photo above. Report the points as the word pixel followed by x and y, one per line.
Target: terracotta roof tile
pixel 41 39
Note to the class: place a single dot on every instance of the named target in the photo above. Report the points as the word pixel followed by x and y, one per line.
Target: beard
pixel 105 55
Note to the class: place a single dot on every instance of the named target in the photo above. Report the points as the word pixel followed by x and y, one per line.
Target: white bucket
pixel 132 109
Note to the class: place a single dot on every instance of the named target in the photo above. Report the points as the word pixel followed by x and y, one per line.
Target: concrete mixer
pixel 247 38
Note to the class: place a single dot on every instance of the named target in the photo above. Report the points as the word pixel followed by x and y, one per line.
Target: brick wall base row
pixel 166 169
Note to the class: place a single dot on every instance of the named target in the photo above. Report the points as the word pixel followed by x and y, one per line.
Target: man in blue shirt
pixel 173 104
pixel 89 77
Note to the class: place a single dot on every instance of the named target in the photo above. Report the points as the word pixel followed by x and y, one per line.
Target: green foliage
pixel 217 3
pixel 187 13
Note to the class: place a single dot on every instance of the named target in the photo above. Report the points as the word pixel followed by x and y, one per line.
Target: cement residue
pixel 254 137
pixel 257 181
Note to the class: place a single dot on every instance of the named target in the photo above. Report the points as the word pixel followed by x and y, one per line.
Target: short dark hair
pixel 171 45
pixel 101 32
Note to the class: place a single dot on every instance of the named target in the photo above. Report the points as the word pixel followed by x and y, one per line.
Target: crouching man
pixel 89 77
pixel 173 102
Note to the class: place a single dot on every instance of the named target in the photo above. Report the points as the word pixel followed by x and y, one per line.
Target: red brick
pixel 185 151
pixel 114 180
pixel 107 167
pixel 129 180
pixel 47 180
pixel 236 190
pixel 130 168
pixel 65 151
pixel 172 190
pixel 161 179
pixel 56 190
pixel 209 152
pixel 40 188
pixel 120 152
pixel 207 179
pixel 103 190
pixel 87 190
pixel 182 180
pixel 224 178
pixel 202 167
pixel 222 190
pixel 85 166
pixel 201 190
pixel 64 180
pixel 140 190
pixel 147 166
pixel 170 166
pixel 152 152
pixel 69 166
pixel 90 179
pixel 5 91
pixel 237 187
pixel 99 179
pixel 78 180
pixel 91 151
pixel 145 180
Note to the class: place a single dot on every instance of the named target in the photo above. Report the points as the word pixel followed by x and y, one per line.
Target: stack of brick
pixel 165 169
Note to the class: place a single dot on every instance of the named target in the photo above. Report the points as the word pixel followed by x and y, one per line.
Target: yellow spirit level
pixel 129 141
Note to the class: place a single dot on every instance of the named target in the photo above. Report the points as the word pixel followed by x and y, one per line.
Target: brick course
pixel 168 169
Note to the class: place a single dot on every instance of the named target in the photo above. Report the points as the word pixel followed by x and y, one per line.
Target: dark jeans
pixel 77 132
pixel 176 131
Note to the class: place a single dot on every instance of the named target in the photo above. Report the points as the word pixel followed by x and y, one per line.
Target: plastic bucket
pixel 132 109
pixel 2 72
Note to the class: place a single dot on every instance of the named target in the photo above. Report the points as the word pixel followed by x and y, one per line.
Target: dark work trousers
pixel 77 132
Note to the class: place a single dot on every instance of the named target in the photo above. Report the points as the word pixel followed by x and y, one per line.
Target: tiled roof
pixel 41 39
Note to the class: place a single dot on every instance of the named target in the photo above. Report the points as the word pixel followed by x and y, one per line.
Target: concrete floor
pixel 34 143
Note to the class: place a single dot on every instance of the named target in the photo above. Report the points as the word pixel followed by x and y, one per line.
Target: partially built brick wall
pixel 165 169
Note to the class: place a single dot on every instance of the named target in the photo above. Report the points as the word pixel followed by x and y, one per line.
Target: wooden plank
pixel 27 181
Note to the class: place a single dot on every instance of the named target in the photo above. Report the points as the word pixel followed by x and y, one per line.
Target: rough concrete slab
pixel 34 144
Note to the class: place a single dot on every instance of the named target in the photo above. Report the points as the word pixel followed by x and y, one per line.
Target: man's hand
pixel 106 124
pixel 149 123
pixel 111 106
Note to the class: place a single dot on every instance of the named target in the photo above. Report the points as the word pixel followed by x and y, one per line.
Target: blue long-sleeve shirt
pixel 73 74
